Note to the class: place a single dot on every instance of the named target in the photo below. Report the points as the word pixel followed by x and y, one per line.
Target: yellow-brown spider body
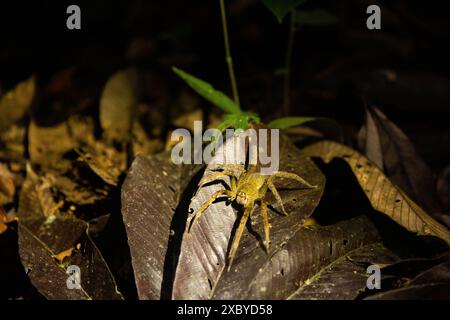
pixel 247 187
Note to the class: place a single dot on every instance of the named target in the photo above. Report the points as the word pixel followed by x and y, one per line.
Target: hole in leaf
pixel 210 284
pixel 282 272
pixel 345 242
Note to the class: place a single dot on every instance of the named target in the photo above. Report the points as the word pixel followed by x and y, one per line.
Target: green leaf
pixel 280 8
pixel 241 121
pixel 208 92
pixel 315 18
pixel 289 122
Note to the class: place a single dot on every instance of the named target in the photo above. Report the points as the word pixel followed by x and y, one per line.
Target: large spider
pixel 246 188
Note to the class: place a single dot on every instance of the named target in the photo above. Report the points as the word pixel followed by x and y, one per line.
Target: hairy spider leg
pixel 205 206
pixel 238 234
pixel 267 225
pixel 293 176
pixel 276 194
pixel 214 177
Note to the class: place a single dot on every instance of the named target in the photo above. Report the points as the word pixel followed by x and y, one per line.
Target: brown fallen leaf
pixel 15 103
pixel 5 219
pixel 201 271
pixel 82 129
pixel 391 150
pixel 13 148
pixel 36 196
pixel 47 145
pixel 104 161
pixel 7 187
pixel 384 195
pixel 142 144
pixel 117 105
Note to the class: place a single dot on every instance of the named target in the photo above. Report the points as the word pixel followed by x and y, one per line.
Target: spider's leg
pixel 214 177
pixel 293 176
pixel 207 204
pixel 267 225
pixel 238 235
pixel 276 195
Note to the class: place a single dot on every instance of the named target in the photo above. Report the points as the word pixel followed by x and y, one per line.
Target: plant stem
pixel 288 65
pixel 229 59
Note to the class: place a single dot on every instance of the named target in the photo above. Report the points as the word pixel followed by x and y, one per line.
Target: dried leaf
pixel 142 144
pixel 15 103
pixel 47 145
pixel 104 161
pixel 346 277
pixel 36 197
pixel 150 196
pixel 82 129
pixel 38 253
pixel 77 192
pixel 384 196
pixel 5 219
pixel 7 187
pixel 391 150
pixel 201 269
pixel 117 104
pixel 12 142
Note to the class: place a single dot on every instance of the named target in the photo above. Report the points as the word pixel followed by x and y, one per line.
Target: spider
pixel 246 188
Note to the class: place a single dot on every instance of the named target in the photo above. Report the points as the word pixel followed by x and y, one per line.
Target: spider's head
pixel 242 198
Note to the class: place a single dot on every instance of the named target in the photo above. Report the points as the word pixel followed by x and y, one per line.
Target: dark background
pixel 337 69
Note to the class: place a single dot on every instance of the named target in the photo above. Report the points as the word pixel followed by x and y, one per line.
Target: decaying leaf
pixel 391 150
pixel 47 145
pixel 38 249
pixel 82 129
pixel 36 197
pixel 150 195
pixel 12 142
pixel 298 255
pixel 5 219
pixel 433 283
pixel 201 269
pixel 76 191
pixel 7 187
pixel 346 277
pixel 104 161
pixel 15 103
pixel 45 233
pixel 142 144
pixel 384 196
pixel 117 104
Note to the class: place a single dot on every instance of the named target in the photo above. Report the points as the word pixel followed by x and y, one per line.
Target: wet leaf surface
pixel 150 196
pixel 45 232
pixel 346 277
pixel 384 196
pixel 201 265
